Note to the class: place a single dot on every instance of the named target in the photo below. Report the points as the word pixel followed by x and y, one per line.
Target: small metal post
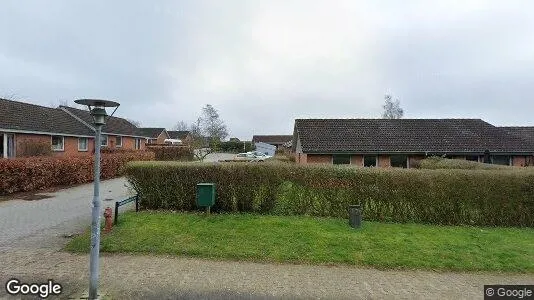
pixel 208 210
pixel 116 216
pixel 95 222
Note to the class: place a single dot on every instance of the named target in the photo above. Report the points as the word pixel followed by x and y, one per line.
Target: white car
pixel 259 154
pixel 249 157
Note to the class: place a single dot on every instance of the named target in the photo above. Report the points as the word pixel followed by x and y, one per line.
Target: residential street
pixel 33 233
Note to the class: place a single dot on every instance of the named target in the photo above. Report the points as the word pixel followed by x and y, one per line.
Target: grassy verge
pixel 319 241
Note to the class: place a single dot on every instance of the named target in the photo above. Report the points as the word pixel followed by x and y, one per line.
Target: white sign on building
pixel 265 148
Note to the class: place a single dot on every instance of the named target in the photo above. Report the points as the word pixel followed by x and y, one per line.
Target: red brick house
pixel 400 142
pixel 156 135
pixel 26 128
pixel 183 135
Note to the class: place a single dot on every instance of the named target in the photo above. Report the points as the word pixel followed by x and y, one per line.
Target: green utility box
pixel 205 194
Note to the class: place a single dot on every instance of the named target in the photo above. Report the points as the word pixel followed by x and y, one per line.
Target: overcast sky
pixel 264 63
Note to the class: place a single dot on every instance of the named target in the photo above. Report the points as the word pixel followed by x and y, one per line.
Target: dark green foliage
pixel 181 153
pixel 235 147
pixel 446 163
pixel 452 197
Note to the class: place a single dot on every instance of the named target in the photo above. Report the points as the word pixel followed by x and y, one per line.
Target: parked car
pixel 259 154
pixel 249 157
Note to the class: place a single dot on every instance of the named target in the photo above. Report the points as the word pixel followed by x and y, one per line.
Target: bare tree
pixel 134 122
pixel 392 109
pixel 212 125
pixel 181 126
pixel 207 132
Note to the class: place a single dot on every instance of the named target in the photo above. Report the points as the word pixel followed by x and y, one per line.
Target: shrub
pixel 453 197
pixel 446 163
pixel 235 147
pixel 34 173
pixel 30 148
pixel 182 153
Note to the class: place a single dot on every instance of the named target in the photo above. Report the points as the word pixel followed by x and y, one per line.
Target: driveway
pixel 59 213
pixel 33 233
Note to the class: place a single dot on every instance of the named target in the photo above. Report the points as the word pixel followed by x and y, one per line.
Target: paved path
pixel 31 240
pixel 66 210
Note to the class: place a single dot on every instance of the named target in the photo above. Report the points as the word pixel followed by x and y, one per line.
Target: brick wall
pixel 384 161
pixel 356 160
pixel 161 138
pixel 70 144
pixel 522 161
pixel 319 159
pixel 70 147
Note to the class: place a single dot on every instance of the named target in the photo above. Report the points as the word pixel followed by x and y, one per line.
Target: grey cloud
pixel 264 63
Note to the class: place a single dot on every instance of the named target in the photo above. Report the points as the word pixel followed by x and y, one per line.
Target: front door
pixel 7 145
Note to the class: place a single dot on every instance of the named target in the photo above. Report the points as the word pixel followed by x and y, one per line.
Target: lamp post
pixel 97 108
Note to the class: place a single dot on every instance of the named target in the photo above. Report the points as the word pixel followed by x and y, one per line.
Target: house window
pixel 82 144
pixel 104 140
pixel 58 143
pixel 341 159
pixel 137 144
pixel 501 160
pixel 399 161
pixel 118 141
pixel 369 161
pixel 472 157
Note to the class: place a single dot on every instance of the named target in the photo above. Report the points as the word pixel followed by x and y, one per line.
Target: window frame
pixel 344 155
pixel 509 160
pixel 137 144
pixel 405 164
pixel 62 143
pixel 86 144
pixel 102 138
pixel 376 161
pixel 117 139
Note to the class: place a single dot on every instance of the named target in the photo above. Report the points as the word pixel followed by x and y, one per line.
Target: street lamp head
pixel 98 110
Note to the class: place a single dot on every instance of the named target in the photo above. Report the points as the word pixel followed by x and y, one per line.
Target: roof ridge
pixel 27 103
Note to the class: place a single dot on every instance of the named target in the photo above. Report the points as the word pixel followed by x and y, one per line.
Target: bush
pixel 30 148
pixel 446 163
pixel 34 173
pixel 234 147
pixel 452 197
pixel 181 153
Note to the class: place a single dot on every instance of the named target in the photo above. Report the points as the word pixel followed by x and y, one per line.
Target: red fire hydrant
pixel 108 214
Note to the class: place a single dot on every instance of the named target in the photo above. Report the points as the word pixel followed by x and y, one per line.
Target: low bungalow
pixel 156 135
pixel 182 135
pixel 28 129
pixel 401 142
pixel 276 140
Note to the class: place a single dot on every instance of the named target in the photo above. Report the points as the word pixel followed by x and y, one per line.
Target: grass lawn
pixel 319 241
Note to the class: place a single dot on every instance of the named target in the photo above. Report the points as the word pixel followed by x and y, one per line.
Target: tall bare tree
pixel 392 109
pixel 182 126
pixel 207 132
pixel 134 122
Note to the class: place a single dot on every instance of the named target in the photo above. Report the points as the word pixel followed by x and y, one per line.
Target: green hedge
pixel 181 153
pixel 447 163
pixel 453 197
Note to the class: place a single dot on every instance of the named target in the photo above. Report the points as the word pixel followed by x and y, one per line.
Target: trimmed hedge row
pixel 34 173
pixel 446 163
pixel 182 153
pixel 452 197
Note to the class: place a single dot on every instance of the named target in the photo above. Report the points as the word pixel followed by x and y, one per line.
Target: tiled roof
pixel 17 115
pixel 151 132
pixel 114 125
pixel 278 139
pixel 525 132
pixel 180 135
pixel 406 135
